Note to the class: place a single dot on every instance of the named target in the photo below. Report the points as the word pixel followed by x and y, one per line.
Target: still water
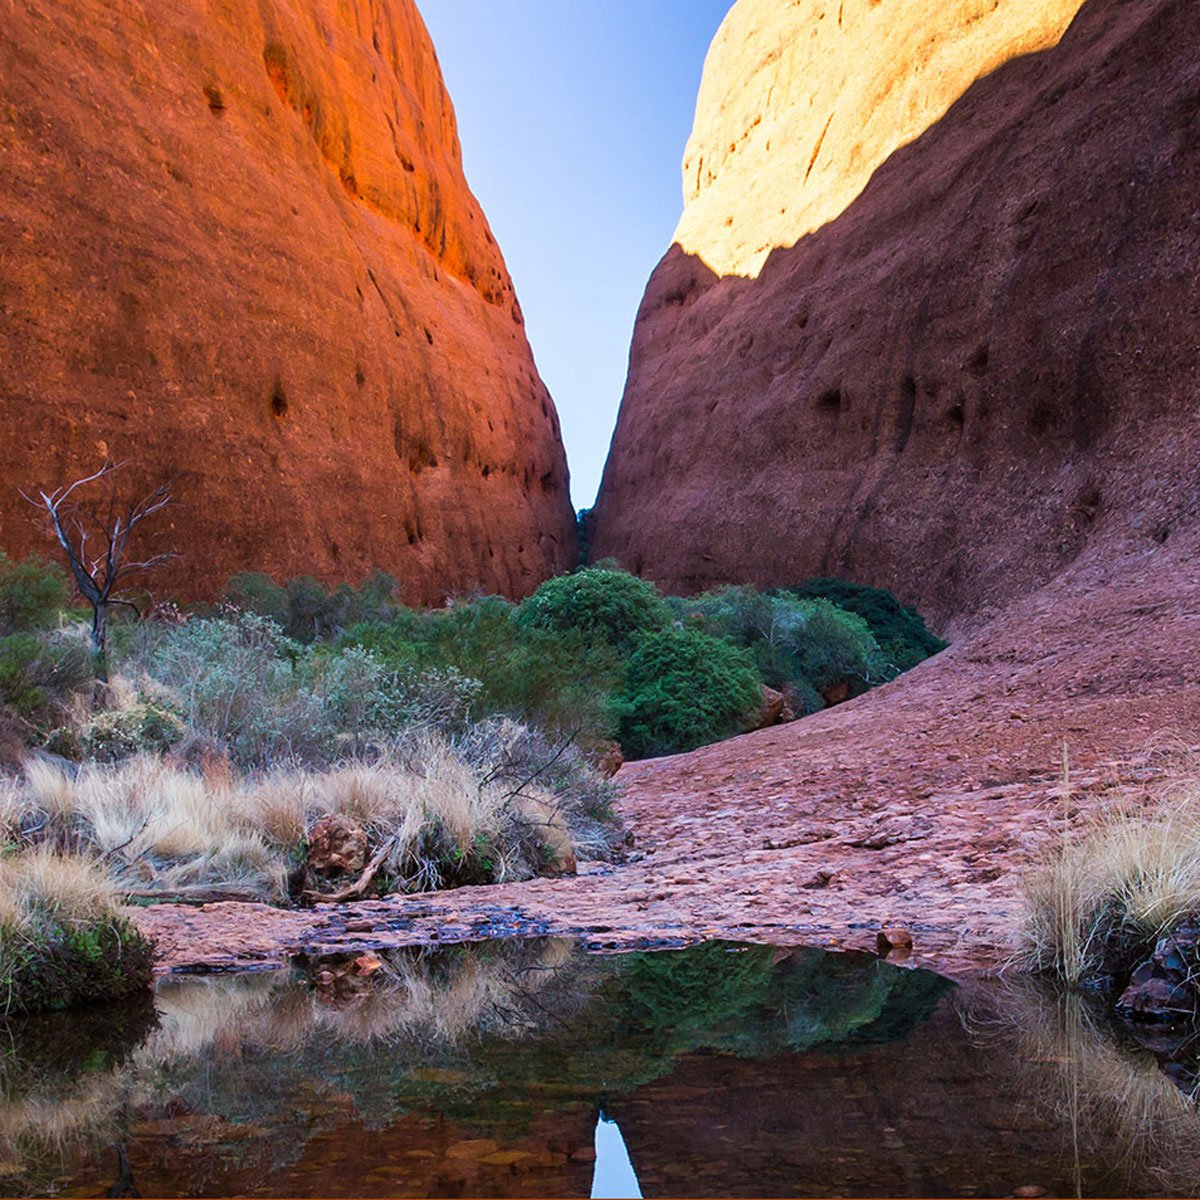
pixel 532 1068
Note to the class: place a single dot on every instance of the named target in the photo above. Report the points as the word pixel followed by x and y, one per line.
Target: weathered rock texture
pixel 983 365
pixel 237 249
pixel 801 102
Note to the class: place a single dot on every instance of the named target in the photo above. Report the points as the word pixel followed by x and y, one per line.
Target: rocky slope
pixel 962 374
pixel 237 249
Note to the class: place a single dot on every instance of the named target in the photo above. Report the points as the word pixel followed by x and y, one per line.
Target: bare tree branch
pixel 99 577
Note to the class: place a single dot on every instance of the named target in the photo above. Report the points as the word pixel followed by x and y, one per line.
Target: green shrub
pixel 256 592
pixel 242 682
pixel 599 603
pixel 363 698
pixel 18 653
pixel 803 646
pixel 62 939
pixel 31 594
pixel 901 632
pixel 554 679
pixel 832 647
pixel 684 689
pixel 37 672
pixel 117 733
pixel 305 610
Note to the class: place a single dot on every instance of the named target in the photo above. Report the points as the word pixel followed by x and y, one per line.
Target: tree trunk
pixel 100 640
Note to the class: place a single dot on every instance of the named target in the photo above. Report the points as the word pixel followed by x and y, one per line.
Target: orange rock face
pixel 963 375
pixel 237 250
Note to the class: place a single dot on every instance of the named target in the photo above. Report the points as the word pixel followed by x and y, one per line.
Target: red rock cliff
pixel 930 318
pixel 237 249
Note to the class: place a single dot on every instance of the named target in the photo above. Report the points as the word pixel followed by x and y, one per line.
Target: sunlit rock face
pixel 979 368
pixel 237 250
pixel 801 101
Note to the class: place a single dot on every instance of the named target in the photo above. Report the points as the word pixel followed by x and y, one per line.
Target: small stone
pixel 1030 1192
pixel 894 940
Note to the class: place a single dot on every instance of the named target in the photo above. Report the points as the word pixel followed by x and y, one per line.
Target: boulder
pixel 337 845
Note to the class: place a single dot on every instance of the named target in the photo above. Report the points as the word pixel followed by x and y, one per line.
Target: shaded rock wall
pixel 983 365
pixel 237 249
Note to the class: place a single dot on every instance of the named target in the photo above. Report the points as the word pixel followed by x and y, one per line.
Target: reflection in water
pixel 614 1177
pixel 475 1070
pixel 1109 1087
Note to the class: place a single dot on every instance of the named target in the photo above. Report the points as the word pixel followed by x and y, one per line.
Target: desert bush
pixel 112 734
pixel 363 697
pixel 240 681
pixel 482 807
pixel 554 679
pixel 684 689
pixel 598 603
pixel 833 647
pixel 804 646
pixel 62 939
pixel 39 671
pixel 32 593
pixel 1111 890
pixel 520 756
pixel 305 610
pixel 901 632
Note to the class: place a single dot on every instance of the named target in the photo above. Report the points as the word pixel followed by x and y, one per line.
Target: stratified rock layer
pixel 237 249
pixel 982 366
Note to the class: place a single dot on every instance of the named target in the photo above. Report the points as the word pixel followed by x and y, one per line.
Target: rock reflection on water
pixel 532 1068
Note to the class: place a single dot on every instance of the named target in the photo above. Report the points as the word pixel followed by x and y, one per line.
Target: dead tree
pixel 95 539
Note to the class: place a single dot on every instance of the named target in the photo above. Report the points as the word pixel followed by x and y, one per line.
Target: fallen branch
pixel 360 885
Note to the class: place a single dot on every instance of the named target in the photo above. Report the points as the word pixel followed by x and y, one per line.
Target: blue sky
pixel 573 116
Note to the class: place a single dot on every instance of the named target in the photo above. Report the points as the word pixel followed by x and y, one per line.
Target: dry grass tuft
pixel 440 813
pixel 40 888
pixel 1117 884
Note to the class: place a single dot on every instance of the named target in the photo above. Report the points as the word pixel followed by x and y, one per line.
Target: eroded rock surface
pixel 962 378
pixel 237 249
pixel 801 102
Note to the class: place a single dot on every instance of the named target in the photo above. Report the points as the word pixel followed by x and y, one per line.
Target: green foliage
pixel 18 653
pixel 557 680
pixel 305 610
pixel 363 697
pixel 831 647
pixel 117 733
pixel 900 632
pixel 37 671
pixel 583 533
pixel 241 681
pixel 31 594
pixel 599 603
pixel 803 646
pixel 684 689
pixel 58 965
